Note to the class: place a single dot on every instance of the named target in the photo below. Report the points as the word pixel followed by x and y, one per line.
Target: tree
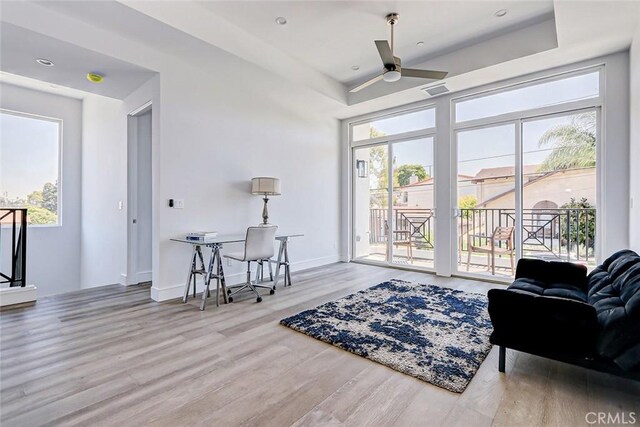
pixel 39 215
pixel 466 203
pixel 574 144
pixel 35 198
pixel 378 171
pixel 404 173
pixel 50 197
pixel 581 223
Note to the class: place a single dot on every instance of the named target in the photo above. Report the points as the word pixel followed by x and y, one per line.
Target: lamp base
pixel 265 212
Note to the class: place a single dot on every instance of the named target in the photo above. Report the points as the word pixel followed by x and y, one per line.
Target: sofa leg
pixel 501 358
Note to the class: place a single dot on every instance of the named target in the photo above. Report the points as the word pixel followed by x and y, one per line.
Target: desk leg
pixel 221 278
pixel 192 267
pixel 207 278
pixel 287 270
pixel 280 252
pixel 203 269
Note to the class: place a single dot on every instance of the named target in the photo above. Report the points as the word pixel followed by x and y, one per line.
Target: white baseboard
pixel 17 295
pixel 176 291
pixel 143 276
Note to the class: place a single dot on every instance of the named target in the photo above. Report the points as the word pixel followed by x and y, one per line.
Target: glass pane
pixel 486 199
pixel 417 120
pixel 370 202
pixel 413 223
pixel 559 188
pixel 29 166
pixel 540 95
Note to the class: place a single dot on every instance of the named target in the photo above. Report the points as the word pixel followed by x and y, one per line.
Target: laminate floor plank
pixel 111 356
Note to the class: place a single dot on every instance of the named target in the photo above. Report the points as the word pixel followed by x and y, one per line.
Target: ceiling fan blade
pixel 424 74
pixel 385 53
pixel 366 84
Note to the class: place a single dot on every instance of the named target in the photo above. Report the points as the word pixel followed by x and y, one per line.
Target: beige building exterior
pixel 495 188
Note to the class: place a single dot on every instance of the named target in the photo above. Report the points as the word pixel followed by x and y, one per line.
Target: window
pixel 543 94
pixel 406 122
pixel 29 165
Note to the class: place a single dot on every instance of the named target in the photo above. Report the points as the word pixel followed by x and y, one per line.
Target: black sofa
pixel 556 310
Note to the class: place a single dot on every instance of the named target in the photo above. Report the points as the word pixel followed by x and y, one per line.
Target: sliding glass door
pixel 486 202
pixel 412 215
pixel 527 188
pixel 370 202
pixel 559 187
pixel 393 193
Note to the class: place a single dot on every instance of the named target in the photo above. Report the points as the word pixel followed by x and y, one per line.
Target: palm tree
pixel 574 144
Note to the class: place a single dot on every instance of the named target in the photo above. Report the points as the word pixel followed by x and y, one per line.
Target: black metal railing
pixel 566 234
pixel 414 224
pixel 14 221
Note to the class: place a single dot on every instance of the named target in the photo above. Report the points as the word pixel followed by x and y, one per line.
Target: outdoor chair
pixel 493 246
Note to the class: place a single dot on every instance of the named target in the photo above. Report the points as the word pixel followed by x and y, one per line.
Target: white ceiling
pixel 19 49
pixel 333 36
pixel 324 39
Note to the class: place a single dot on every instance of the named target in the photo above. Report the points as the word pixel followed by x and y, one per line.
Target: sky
pixel 495 146
pixel 28 154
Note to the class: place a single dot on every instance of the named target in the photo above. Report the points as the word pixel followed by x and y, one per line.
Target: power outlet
pixel 179 203
pixel 228 262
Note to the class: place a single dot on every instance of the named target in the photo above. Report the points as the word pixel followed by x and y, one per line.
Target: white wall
pixel 218 133
pixel 53 252
pixel 634 157
pixel 104 178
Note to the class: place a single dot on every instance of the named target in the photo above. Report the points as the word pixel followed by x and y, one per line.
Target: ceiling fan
pixel 392 64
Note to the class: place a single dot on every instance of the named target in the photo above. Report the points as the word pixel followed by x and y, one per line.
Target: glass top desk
pixel 215 262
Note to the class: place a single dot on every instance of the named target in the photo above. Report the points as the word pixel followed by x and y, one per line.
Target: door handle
pixel 135 221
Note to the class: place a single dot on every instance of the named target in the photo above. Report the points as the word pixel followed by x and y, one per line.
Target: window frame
pixel 388 141
pixel 519 117
pixel 60 123
pixel 593 102
pixel 390 138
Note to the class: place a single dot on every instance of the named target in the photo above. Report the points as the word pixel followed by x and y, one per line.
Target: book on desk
pixel 198 236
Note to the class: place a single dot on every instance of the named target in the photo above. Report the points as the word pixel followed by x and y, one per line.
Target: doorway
pixel 139 199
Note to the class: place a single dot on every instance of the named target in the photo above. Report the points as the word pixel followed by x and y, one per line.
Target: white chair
pixel 258 246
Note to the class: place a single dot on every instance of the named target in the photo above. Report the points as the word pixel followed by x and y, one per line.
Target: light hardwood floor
pixel 112 356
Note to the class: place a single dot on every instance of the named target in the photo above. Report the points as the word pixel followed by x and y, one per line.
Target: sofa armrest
pixel 553 272
pixel 521 319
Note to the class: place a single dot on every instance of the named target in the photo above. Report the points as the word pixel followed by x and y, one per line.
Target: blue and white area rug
pixel 436 334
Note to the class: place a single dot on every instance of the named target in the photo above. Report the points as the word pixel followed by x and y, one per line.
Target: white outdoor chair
pixel 258 246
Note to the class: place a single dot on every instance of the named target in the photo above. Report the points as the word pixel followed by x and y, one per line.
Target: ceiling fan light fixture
pixel 391 76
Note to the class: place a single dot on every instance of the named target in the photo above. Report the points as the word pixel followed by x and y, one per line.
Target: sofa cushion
pixel 551 289
pixel 614 291
pixel 553 272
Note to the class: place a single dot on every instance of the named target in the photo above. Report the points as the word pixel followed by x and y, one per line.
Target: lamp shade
pixel 265 185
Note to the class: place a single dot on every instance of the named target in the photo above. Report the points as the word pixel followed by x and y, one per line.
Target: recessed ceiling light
pixel 281 20
pixel 45 62
pixel 501 13
pixel 355 68
pixel 420 44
